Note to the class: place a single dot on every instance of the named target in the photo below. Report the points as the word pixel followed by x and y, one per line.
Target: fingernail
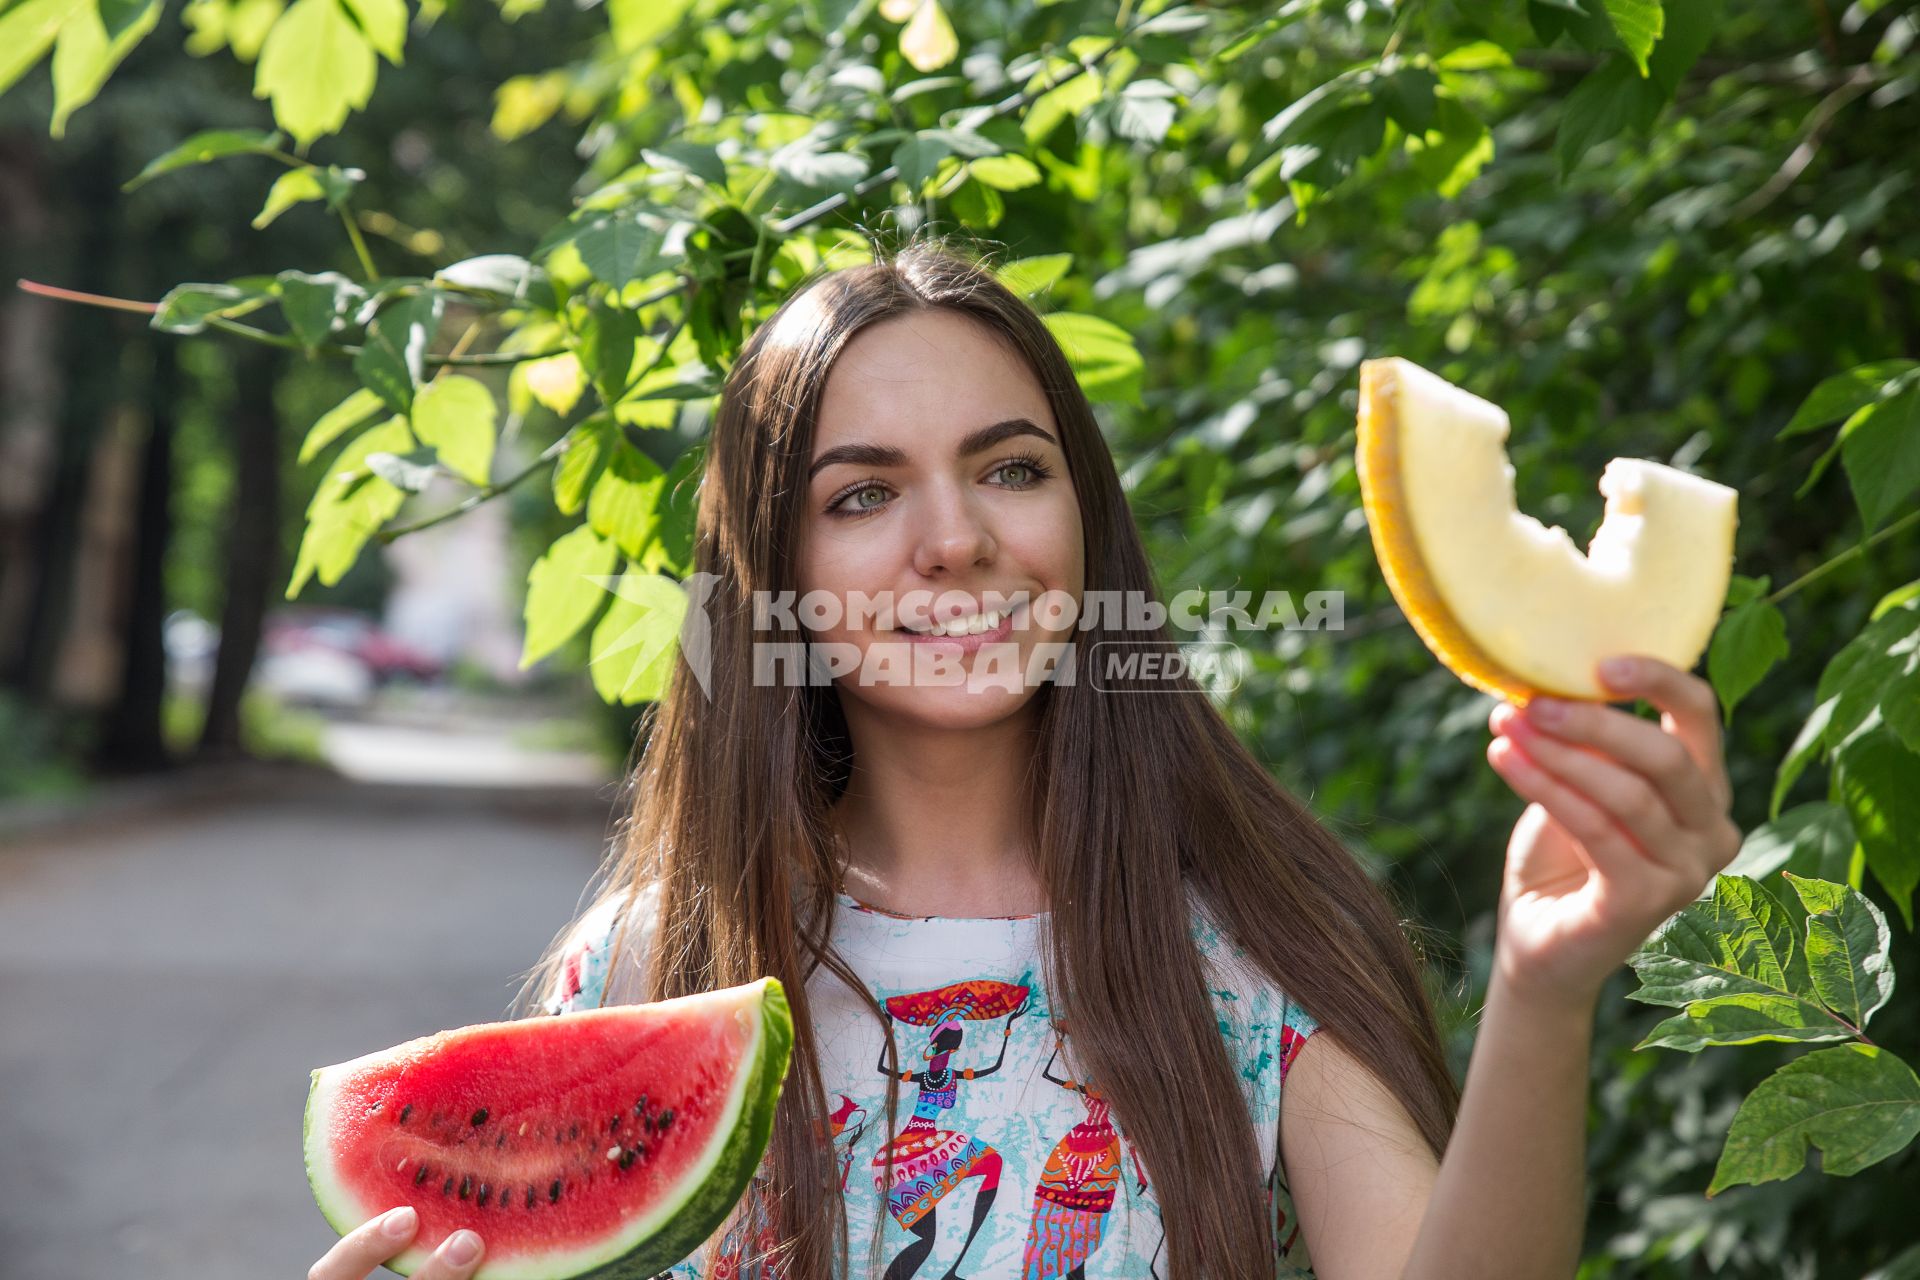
pixel 461 1248
pixel 1619 670
pixel 399 1222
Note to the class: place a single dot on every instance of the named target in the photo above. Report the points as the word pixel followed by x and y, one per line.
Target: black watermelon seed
pixel 626 1158
pixel 466 1186
pixel 641 1148
pixel 529 1195
pixel 553 1192
pixel 640 1107
pixel 613 1124
pixel 500 1141
pixel 420 1175
pixel 446 1188
pixel 405 1112
pixel 574 1132
pixel 666 1118
pixel 480 1117
pixel 485 1192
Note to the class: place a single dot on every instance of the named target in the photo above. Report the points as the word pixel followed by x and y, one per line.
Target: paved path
pixel 169 977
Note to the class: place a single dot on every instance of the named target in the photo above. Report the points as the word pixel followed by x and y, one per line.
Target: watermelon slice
pixel 608 1143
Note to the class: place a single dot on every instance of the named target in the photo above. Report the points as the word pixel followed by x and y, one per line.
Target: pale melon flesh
pixel 1510 605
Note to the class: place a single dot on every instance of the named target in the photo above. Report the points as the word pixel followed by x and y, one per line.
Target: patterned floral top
pixel 1006 1167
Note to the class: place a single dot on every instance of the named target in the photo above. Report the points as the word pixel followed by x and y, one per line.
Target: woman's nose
pixel 955 536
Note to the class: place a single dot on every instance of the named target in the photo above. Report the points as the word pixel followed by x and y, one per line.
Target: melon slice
pixel 1510 606
pixel 608 1143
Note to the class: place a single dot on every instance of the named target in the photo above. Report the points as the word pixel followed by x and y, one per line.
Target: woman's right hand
pixel 372 1243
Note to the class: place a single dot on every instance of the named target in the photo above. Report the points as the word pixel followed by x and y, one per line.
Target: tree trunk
pixel 253 548
pixel 132 738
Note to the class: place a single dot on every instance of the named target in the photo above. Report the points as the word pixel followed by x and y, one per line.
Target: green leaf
pixel 638 23
pixel 1690 26
pixel 1746 645
pixel 1028 276
pixel 678 512
pixel 632 649
pixel 618 247
pixel 1103 355
pixel 1409 95
pixel 804 163
pixel 1743 1018
pixel 1143 111
pixel 339 420
pixel 1741 588
pixel 506 276
pixel 1005 173
pixel 622 504
pixel 1882 456
pixel 27 31
pixel 186 308
pixel 609 335
pixel 1808 744
pixel 1738 941
pixel 1609 100
pixel 1453 152
pixel 1858 1104
pixel 93 41
pixel 295 186
pixel 1877 673
pixel 918 157
pixel 412 471
pixel 202 148
pixel 393 357
pixel 564 591
pixel 455 414
pixel 1894 599
pixel 317 68
pixel 1813 839
pixel 701 159
pixel 384 23
pixel 581 463
pixel 1845 394
pixel 1847 948
pixel 1638 23
pixel 1879 782
pixel 315 305
pixel 977 205
pixel 349 506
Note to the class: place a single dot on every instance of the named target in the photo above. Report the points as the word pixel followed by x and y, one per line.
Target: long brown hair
pixel 1140 801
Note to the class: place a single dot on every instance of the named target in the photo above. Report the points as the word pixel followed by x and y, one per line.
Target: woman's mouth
pixel 999 626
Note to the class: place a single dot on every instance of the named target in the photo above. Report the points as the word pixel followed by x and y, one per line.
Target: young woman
pixel 944 872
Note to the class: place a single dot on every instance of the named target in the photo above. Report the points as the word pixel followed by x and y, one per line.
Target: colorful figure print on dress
pixel 928 1162
pixel 1076 1189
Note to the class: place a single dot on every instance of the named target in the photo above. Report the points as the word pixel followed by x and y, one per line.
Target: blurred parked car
pixel 308 628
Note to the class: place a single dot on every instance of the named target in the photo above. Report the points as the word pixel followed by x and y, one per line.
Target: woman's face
pixel 938 482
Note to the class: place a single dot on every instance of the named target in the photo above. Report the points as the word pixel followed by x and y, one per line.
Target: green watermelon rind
pixel 684 1227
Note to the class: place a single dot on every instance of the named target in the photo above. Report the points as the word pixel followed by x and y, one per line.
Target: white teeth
pixel 972 626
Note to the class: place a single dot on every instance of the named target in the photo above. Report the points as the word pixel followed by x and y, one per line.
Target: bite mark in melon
pixel 1513 607
pixel 606 1144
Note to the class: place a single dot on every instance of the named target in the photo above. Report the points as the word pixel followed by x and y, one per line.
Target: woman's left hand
pixel 1628 822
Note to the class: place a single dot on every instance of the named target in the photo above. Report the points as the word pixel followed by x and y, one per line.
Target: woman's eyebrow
pixel 976 441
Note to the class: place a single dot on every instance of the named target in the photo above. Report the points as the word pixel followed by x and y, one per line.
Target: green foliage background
pixel 1681 230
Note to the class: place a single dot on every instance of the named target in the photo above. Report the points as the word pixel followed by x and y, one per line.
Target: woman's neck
pixel 937 821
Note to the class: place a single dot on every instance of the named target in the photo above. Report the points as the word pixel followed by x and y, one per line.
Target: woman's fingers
pixel 1689 712
pixel 1612 851
pixel 355 1255
pixel 1607 734
pixel 1628 798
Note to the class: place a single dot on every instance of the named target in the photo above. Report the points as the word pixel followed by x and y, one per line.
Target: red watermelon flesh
pixel 607 1143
